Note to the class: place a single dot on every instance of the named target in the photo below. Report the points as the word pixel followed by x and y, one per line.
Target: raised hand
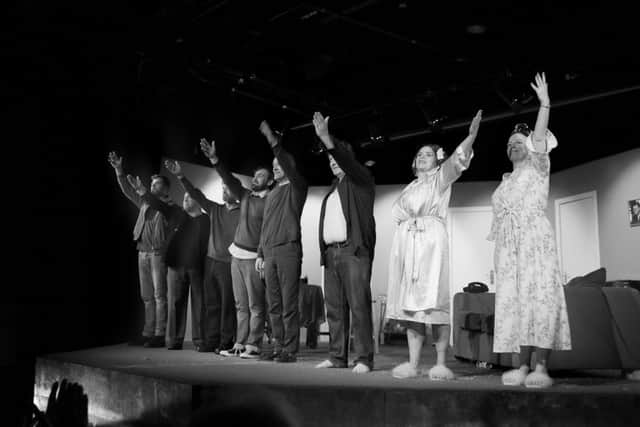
pixel 67 406
pixel 173 166
pixel 265 129
pixel 541 88
pixel 321 124
pixel 208 149
pixel 137 185
pixel 114 160
pixel 475 124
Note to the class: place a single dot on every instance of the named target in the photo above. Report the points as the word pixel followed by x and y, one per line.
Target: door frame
pixel 563 200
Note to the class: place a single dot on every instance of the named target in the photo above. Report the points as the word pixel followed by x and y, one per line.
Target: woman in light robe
pixel 530 311
pixel 418 293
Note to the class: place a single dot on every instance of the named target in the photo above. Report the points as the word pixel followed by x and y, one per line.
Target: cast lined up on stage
pixel 243 262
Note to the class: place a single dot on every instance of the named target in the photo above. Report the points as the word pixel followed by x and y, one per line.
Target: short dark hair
pixel 165 181
pixel 261 167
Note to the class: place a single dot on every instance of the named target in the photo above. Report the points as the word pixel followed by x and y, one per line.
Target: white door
pixel 577 234
pixel 470 253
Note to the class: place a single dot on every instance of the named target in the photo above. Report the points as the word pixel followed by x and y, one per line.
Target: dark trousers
pixel 179 279
pixel 282 277
pixel 347 288
pixel 219 316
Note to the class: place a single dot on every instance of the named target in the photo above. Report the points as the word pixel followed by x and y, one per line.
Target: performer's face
pixel 190 205
pixel 425 159
pixel 158 188
pixel 278 173
pixel 261 179
pixel 335 167
pixel 516 150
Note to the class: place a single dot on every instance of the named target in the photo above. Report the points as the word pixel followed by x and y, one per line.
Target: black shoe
pixel 205 348
pixel 286 357
pixel 175 347
pixel 138 341
pixel 270 356
pixel 156 342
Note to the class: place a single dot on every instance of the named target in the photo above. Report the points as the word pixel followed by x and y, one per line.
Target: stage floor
pixel 190 367
pixel 473 391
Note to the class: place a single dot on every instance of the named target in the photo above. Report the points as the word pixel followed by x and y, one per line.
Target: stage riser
pixel 117 396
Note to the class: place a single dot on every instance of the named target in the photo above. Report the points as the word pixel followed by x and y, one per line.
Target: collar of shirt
pixel 260 194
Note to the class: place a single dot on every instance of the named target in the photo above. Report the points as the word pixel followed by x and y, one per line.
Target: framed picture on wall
pixel 634 212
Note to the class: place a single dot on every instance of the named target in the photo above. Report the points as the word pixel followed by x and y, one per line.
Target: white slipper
pixel 538 379
pixel 361 368
pixel 404 370
pixel 514 377
pixel 441 373
pixel 326 364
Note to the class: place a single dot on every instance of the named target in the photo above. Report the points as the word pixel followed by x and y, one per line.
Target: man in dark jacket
pixel 347 241
pixel 186 251
pixel 149 234
pixel 280 251
pixel 216 305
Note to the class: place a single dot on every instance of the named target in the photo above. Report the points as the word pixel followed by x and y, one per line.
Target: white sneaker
pixel 250 354
pixel 234 352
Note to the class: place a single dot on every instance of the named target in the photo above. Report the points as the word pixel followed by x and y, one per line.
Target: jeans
pixel 153 291
pixel 219 325
pixel 282 276
pixel 249 293
pixel 180 279
pixel 347 289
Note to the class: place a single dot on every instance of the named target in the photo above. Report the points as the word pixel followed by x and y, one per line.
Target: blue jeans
pixel 153 290
pixel 347 290
pixel 249 294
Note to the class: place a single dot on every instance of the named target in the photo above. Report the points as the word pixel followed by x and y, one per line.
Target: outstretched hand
pixel 541 88
pixel 114 160
pixel 321 124
pixel 173 166
pixel 137 185
pixel 475 124
pixel 208 149
pixel 67 406
pixel 266 130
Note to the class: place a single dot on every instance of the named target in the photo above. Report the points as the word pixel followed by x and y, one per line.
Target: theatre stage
pixel 164 387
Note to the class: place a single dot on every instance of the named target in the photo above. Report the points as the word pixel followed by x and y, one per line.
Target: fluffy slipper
pixel 326 364
pixel 634 376
pixel 361 368
pixel 404 370
pixel 514 377
pixel 538 379
pixel 440 373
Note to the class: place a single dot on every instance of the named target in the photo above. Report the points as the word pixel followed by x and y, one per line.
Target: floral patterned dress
pixel 418 288
pixel 530 308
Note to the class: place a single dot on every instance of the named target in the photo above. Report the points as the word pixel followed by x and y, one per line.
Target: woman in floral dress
pixel 530 311
pixel 418 293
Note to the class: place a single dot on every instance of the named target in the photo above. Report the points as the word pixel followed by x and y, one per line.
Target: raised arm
pixel 284 158
pixel 116 163
pixel 343 156
pixel 233 183
pixel 460 159
pixel 539 136
pixel 197 195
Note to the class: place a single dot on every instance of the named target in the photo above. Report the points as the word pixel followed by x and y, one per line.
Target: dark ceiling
pixel 408 72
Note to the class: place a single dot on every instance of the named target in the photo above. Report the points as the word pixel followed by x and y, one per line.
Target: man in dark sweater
pixel 218 311
pixel 149 234
pixel 248 286
pixel 280 250
pixel 347 241
pixel 186 252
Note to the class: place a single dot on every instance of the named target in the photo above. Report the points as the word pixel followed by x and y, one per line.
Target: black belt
pixel 339 244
